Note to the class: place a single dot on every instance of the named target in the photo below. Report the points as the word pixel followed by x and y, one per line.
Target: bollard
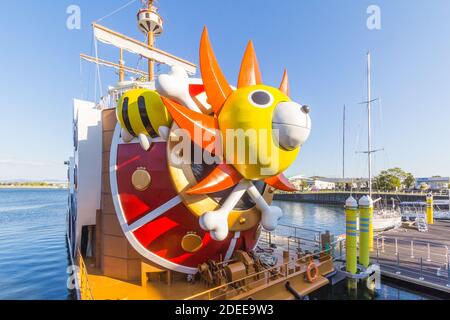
pixel 412 249
pixel 365 236
pixel 351 213
pixel 396 247
pixel 421 270
pixel 429 253
pixel 398 264
pixel 382 244
pixel 430 209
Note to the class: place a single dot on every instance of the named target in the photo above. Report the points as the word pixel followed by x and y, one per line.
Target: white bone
pixel 164 133
pixel 145 141
pixel 217 221
pixel 126 136
pixel 270 216
pixel 175 85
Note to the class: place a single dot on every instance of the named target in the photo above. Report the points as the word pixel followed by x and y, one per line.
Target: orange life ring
pixel 312 272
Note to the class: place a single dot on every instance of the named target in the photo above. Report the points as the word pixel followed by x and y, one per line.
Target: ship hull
pixel 156 220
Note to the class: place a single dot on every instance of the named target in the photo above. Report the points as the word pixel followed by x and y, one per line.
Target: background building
pixel 433 183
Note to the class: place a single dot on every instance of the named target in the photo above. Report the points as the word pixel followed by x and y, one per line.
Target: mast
pixel 343 144
pixel 151 24
pixel 369 119
pixel 151 43
pixel 121 68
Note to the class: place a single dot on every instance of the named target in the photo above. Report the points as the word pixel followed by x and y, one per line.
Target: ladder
pixel 421 221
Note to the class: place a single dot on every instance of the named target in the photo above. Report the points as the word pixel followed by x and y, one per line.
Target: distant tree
pixel 304 185
pixel 387 182
pixel 394 179
pixel 409 181
pixel 340 186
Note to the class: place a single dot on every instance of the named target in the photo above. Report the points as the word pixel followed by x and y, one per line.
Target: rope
pixel 117 10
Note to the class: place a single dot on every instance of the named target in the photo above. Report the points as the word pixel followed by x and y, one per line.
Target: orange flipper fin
pixel 282 183
pixel 222 178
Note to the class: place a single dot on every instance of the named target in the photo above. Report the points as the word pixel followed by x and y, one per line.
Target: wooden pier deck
pixel 421 258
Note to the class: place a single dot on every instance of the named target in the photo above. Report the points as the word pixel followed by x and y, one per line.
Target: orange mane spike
pixel 250 73
pixel 284 87
pixel 282 183
pixel 222 178
pixel 195 124
pixel 216 85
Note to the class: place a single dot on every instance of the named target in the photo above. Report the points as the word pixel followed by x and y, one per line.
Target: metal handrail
pixel 300 228
pixel 413 192
pixel 85 288
pixel 265 272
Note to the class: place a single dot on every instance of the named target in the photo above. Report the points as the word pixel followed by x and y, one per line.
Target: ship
pixel 148 221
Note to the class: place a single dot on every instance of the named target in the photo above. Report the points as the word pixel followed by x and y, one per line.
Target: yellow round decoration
pixel 141 179
pixel 191 243
pixel 261 157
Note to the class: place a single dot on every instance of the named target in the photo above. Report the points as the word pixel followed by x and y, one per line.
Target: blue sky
pixel 322 43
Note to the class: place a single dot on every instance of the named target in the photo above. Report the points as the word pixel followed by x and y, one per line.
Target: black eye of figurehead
pixel 261 99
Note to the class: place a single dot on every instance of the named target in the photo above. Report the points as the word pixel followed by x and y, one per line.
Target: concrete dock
pixel 420 258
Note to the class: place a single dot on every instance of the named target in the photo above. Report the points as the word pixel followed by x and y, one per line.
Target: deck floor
pixel 417 257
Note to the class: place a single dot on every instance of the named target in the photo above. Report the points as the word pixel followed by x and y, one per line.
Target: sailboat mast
pixel 369 109
pixel 343 143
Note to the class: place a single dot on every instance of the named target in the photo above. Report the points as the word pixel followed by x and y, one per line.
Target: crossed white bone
pixel 216 222
pixel 176 86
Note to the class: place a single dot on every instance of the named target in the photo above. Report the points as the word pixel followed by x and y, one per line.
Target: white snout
pixel 292 123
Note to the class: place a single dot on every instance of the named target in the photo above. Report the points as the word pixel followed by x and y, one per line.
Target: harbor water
pixel 34 259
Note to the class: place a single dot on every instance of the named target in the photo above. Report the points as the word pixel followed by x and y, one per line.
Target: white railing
pixel 425 261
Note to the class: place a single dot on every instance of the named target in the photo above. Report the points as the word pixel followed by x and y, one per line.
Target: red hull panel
pixel 162 236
